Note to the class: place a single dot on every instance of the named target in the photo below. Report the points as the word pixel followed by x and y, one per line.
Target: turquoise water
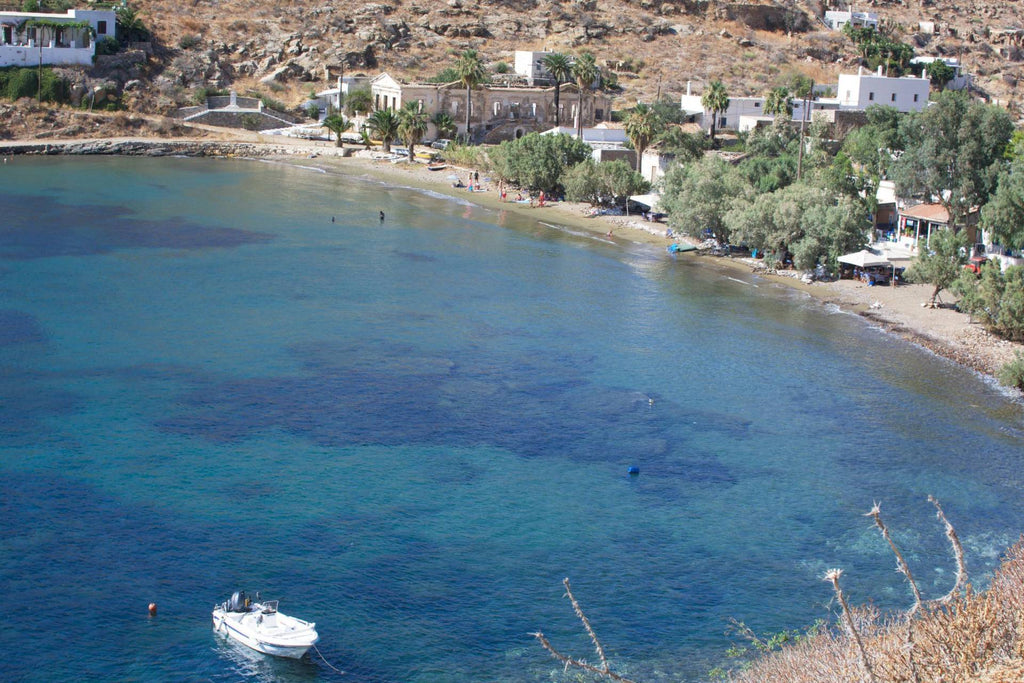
pixel 411 431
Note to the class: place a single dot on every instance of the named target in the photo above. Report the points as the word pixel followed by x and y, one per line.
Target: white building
pixel 334 97
pixel 745 113
pixel 40 38
pixel 530 66
pixel 837 20
pixel 960 80
pixel 862 90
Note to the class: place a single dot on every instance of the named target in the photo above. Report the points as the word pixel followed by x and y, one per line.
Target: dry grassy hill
pixel 656 46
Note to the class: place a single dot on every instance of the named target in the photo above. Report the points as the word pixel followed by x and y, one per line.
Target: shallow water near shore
pixel 410 431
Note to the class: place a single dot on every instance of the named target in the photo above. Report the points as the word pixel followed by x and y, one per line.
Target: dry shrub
pixel 977 637
pixel 191 25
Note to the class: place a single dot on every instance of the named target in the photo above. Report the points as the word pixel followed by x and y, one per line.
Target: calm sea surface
pixel 410 432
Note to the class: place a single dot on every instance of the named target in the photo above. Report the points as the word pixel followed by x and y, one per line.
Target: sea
pixel 227 374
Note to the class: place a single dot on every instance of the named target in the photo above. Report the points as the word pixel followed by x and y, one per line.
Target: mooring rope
pixel 326 662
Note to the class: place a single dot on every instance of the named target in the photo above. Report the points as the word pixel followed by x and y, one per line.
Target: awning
pixel 651 201
pixel 864 259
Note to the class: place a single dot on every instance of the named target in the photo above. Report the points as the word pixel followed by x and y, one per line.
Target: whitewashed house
pixel 529 64
pixel 837 20
pixel 42 38
pixel 862 90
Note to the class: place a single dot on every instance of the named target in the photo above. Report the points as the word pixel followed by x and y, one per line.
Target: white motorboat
pixel 260 626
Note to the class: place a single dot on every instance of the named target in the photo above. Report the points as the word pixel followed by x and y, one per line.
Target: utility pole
pixel 803 122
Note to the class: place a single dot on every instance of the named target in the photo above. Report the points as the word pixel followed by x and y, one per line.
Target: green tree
pixel 779 102
pixel 668 110
pixel 585 72
pixel 875 146
pixel 560 68
pixel 537 162
pixel 358 101
pixel 939 73
pixel 996 299
pixel 471 73
pixel 607 184
pixel 805 220
pixel 685 147
pixel 940 262
pixel 383 123
pixel 1003 215
pixel 445 125
pixel 698 196
pixel 642 126
pixel 953 153
pixel 412 125
pixel 715 100
pixel 337 124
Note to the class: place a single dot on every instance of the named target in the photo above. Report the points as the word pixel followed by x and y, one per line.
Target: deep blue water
pixel 410 432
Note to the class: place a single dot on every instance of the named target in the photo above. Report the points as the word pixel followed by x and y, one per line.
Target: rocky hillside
pixel 283 49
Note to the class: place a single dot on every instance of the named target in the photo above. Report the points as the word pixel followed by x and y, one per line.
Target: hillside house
pixel 499 112
pixel 864 89
pixel 960 80
pixel 837 20
pixel 41 38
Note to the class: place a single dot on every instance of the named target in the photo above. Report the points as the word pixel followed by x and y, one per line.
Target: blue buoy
pixel 634 469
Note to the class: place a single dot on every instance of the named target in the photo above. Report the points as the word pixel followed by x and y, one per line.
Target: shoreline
pixel 899 311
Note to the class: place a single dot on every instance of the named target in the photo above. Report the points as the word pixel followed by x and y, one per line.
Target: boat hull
pixel 278 634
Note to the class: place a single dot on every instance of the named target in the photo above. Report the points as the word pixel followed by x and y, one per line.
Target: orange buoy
pixel 152 609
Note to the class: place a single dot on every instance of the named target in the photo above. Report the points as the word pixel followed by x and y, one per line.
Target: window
pixel 757 105
pixel 892 98
pixel 599 114
pixel 101 28
pixel 915 98
pixel 871 96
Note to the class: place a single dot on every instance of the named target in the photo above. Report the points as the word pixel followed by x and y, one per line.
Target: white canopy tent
pixel 651 201
pixel 864 259
pixel 869 259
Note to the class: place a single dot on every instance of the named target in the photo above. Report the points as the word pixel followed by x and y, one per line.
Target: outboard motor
pixel 237 602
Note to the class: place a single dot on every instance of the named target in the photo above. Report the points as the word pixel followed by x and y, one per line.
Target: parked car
pixel 441 144
pixel 975 263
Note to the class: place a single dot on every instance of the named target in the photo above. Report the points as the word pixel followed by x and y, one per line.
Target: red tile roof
pixel 927 212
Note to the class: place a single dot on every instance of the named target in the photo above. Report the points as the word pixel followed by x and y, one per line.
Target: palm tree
pixel 384 124
pixel 715 99
pixel 445 125
pixel 585 71
pixel 560 68
pixel 778 102
pixel 337 124
pixel 642 125
pixel 129 24
pixel 412 125
pixel 471 73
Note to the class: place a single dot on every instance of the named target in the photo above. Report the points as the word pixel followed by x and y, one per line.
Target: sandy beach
pixel 900 310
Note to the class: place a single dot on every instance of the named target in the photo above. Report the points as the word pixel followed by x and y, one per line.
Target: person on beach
pixel 381 216
pixel 540 201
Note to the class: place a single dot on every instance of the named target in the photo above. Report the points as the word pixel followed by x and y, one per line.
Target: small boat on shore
pixel 437 167
pixel 260 626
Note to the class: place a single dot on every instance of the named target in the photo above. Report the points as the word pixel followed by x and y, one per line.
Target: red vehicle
pixel 975 264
